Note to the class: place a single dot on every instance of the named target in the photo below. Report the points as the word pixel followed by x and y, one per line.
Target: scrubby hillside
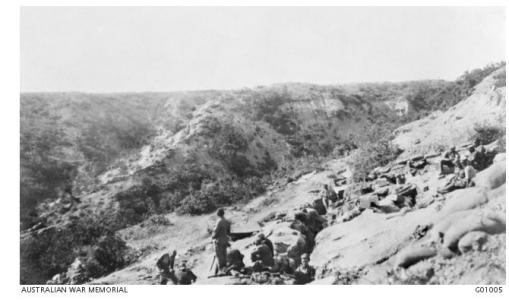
pixel 133 158
pixel 484 108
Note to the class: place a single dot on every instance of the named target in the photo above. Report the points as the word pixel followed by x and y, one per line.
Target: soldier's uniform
pixel 262 257
pixel 304 273
pixel 234 261
pixel 165 266
pixel 328 196
pixel 221 241
pixel 185 276
pixel 450 159
pixel 262 240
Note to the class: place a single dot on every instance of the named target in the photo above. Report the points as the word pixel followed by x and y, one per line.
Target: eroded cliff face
pixel 277 124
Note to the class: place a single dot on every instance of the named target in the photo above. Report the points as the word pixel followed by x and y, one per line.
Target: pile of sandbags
pixel 465 221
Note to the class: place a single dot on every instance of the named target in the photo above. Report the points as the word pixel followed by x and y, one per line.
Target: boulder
pixel 287 241
pixel 473 240
pixel 492 177
pixel 413 254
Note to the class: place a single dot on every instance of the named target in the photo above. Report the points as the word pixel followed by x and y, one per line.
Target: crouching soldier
pixel 262 239
pixel 234 262
pixel 184 275
pixel 304 273
pixel 165 266
pixel 262 258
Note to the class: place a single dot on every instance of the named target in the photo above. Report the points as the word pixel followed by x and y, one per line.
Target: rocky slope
pixel 261 129
pixel 370 248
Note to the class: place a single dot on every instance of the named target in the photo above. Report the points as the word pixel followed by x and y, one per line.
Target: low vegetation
pixel 67 137
pixel 376 151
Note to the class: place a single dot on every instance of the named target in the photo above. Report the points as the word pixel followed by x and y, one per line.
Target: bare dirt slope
pixel 458 238
pixel 190 236
pixel 486 106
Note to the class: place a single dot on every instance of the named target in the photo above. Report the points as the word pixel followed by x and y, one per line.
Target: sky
pixel 135 49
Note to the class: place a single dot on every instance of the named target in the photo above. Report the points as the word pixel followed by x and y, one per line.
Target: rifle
pixel 218 275
pixel 213 263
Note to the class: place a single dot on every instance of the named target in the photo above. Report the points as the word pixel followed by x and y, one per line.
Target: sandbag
pixel 489 222
pixel 443 224
pixel 462 200
pixel 413 254
pixel 492 177
pixel 472 241
pixel 499 157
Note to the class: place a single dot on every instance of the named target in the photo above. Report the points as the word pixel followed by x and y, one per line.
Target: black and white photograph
pixel 261 145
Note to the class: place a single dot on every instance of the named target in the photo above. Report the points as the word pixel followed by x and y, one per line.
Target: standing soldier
pixel 328 196
pixel 221 240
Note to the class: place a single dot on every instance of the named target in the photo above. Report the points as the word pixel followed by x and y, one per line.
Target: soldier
pixel 300 224
pixel 220 239
pixel 165 266
pixel 459 181
pixel 450 159
pixel 262 239
pixel 328 195
pixel 234 261
pixel 184 275
pixel 304 273
pixel 470 173
pixel 262 258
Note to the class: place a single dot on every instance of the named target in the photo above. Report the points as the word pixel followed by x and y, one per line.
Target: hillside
pixel 484 108
pixel 365 249
pixel 138 162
